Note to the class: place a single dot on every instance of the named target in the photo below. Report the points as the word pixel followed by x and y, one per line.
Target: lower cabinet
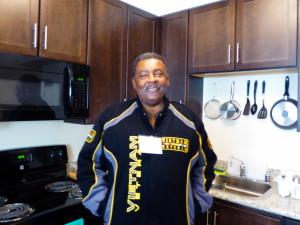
pixel 232 214
pixel 286 221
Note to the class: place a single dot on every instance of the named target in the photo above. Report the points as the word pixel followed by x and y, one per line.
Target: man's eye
pixel 144 75
pixel 159 74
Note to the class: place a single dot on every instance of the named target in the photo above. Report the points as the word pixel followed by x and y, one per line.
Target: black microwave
pixel 34 88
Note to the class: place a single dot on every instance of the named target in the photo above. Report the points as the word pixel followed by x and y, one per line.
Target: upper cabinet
pixel 141 38
pixel 17 26
pixel 266 34
pixel 174 40
pixel 107 40
pixel 63 30
pixel 211 38
pixel 48 28
pixel 261 34
pixel 113 45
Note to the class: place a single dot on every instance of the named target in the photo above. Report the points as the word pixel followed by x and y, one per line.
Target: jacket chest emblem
pixel 175 144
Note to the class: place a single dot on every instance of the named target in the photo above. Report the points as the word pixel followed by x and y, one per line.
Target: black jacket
pixel 128 187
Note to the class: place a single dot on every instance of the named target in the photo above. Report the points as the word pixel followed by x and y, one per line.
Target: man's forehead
pixel 150 63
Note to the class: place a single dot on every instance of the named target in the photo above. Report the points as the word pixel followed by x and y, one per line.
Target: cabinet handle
pixel 229 54
pixel 237 52
pixel 34 35
pixel 45 37
pixel 215 218
pixel 207 217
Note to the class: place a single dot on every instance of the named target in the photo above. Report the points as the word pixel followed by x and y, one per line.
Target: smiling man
pixel 147 161
pixel 150 82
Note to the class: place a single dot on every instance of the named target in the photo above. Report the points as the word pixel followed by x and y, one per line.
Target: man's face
pixel 151 81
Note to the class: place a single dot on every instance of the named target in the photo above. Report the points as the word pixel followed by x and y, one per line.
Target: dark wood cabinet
pixel 265 34
pixel 141 38
pixel 107 38
pixel 287 221
pixel 118 33
pixel 63 30
pixel 173 46
pixel 211 38
pixel 223 214
pixel 16 26
pixel 49 28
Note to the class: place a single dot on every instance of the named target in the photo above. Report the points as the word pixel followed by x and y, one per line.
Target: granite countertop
pixel 272 202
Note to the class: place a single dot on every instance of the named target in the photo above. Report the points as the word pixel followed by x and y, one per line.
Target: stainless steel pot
pixel 231 110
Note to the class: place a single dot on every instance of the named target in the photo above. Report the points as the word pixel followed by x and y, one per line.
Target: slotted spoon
pixel 262 114
pixel 253 108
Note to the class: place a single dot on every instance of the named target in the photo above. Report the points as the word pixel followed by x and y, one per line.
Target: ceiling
pixel 163 7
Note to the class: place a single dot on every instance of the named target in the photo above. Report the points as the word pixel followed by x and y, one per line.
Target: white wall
pixel 258 143
pixel 40 133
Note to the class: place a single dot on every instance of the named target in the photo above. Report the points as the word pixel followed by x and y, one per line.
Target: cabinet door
pixel 224 215
pixel 174 31
pixel 266 33
pixel 211 38
pixel 141 39
pixel 287 221
pixel 63 30
pixel 17 20
pixel 106 53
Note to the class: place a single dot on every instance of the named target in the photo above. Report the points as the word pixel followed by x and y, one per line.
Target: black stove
pixel 35 190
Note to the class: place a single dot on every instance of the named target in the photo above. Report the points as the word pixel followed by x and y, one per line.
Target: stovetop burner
pixel 3 200
pixel 61 186
pixel 14 212
pixel 75 193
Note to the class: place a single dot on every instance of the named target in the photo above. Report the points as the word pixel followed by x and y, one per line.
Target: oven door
pixel 73 215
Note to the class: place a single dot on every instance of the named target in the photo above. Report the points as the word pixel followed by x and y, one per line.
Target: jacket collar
pixel 141 108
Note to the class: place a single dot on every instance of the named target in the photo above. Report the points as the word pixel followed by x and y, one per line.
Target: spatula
pixel 247 106
pixel 262 114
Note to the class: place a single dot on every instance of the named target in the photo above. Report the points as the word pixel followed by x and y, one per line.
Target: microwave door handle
pixel 88 91
pixel 71 78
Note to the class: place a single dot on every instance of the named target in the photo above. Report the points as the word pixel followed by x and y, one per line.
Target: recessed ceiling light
pixel 163 7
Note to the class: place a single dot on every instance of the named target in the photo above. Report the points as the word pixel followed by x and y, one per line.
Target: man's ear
pixel 168 77
pixel 133 83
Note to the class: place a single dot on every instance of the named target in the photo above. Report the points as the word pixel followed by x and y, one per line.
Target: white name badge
pixel 150 144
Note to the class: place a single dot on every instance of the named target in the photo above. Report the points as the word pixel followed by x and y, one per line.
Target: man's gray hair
pixel 147 55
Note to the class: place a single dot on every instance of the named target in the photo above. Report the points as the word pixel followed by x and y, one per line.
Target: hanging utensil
pixel 212 107
pixel 231 109
pixel 284 111
pixel 262 114
pixel 247 106
pixel 254 106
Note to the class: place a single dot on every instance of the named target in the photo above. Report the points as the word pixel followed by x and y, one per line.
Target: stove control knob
pixel 60 154
pixel 51 155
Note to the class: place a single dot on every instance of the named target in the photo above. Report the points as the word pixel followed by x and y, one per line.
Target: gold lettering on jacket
pixel 134 175
pixel 175 144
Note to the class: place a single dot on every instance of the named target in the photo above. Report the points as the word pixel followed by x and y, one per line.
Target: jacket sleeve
pixel 92 167
pixel 209 154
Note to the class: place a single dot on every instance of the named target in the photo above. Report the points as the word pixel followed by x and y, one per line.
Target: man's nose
pixel 152 77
